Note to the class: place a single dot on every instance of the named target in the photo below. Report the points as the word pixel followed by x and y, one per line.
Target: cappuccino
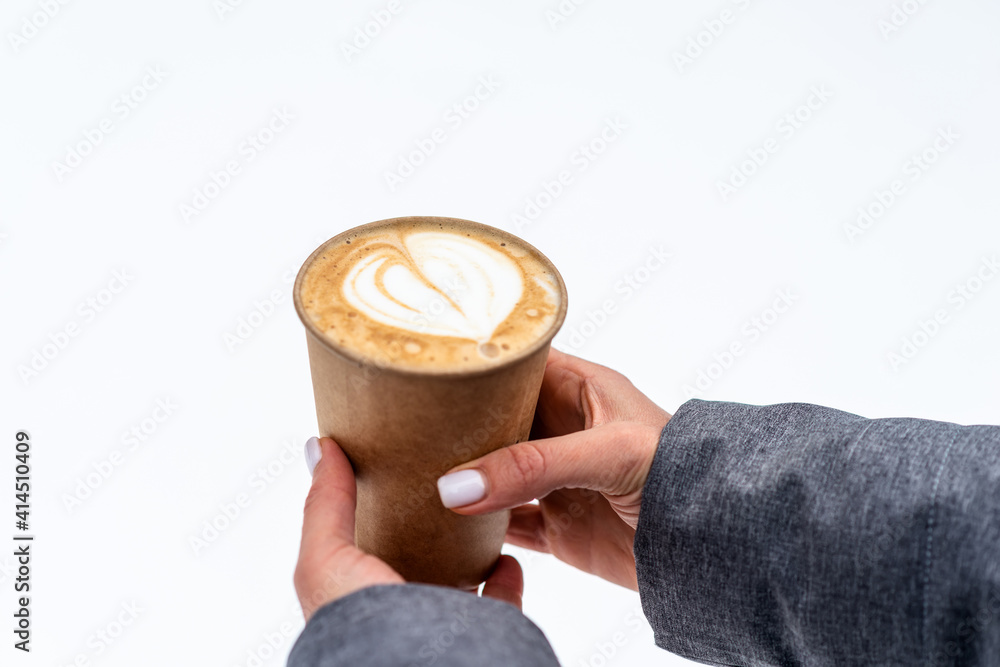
pixel 427 342
pixel 430 294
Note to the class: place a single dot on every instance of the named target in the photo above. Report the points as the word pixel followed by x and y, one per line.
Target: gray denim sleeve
pixel 800 535
pixel 414 625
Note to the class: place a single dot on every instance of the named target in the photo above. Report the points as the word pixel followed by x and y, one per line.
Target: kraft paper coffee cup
pixel 402 429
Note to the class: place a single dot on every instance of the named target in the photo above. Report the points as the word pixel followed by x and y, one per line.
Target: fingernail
pixel 313 454
pixel 461 488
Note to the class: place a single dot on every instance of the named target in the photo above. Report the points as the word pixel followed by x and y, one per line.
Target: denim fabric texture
pixel 416 625
pixel 800 535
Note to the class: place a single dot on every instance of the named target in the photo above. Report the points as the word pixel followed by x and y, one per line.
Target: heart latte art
pixel 440 284
pixel 430 293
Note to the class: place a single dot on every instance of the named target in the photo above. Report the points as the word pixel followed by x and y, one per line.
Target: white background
pixel 239 406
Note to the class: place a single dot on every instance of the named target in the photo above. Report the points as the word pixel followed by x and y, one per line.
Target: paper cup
pixel 404 428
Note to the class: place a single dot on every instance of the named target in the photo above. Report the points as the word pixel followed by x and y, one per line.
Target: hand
pixel 592 445
pixel 331 566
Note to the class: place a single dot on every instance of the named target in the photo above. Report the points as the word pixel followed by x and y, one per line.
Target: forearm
pixel 796 534
pixel 419 625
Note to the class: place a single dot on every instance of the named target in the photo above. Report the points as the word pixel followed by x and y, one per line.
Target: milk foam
pixel 430 294
pixel 442 284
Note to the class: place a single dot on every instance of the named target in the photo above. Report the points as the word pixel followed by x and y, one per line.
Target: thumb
pixel 613 459
pixel 330 566
pixel 329 512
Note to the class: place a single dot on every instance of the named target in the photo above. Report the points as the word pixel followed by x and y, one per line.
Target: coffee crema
pixel 430 294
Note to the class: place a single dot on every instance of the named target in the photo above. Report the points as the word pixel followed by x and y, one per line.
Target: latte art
pixel 430 293
pixel 438 284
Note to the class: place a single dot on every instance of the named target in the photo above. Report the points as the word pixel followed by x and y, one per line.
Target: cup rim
pixel 353 356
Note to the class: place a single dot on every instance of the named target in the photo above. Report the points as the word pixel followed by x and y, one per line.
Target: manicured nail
pixel 462 488
pixel 313 453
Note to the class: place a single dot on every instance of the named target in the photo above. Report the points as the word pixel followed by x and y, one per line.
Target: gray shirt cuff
pixel 414 625
pixel 797 534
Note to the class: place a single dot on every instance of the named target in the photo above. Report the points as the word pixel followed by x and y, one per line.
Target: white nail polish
pixel 461 488
pixel 313 454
